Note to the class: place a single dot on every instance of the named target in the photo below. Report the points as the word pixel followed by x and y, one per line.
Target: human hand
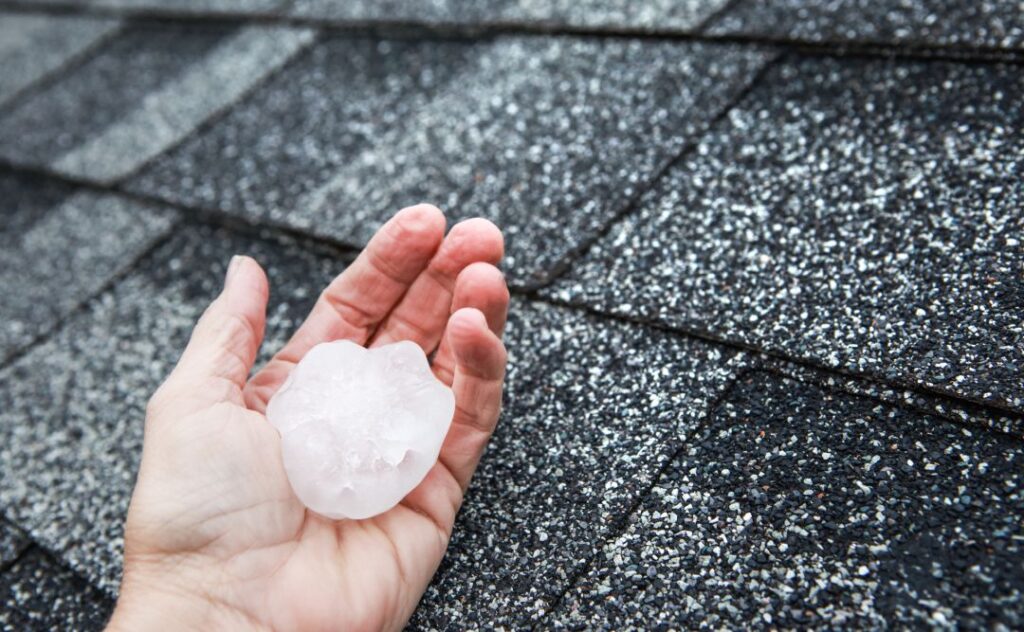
pixel 216 538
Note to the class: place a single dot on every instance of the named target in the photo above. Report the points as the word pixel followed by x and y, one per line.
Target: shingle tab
pixel 796 507
pixel 593 409
pixel 66 253
pixel 36 593
pixel 195 6
pixel 66 476
pixel 141 94
pixel 863 215
pixel 682 16
pixel 550 138
pixel 423 11
pixel 32 46
pixel 210 8
pixel 659 15
pixel 946 23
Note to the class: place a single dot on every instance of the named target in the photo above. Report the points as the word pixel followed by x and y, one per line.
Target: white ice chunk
pixel 360 428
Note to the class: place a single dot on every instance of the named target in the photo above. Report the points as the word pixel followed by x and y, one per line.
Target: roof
pixel 767 333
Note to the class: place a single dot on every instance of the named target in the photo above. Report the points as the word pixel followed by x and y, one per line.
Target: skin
pixel 216 539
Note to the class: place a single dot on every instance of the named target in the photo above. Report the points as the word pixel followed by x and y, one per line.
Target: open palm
pixel 215 537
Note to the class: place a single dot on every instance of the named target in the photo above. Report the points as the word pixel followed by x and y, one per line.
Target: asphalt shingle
pixel 583 126
pixel 36 593
pixel 33 46
pixel 141 94
pixel 863 215
pixel 593 409
pixel 66 248
pixel 66 476
pixel 798 507
pixel 946 23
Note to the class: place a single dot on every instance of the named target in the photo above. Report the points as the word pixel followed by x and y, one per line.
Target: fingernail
pixel 232 268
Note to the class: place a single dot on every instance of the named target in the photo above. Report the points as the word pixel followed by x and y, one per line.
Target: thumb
pixel 224 343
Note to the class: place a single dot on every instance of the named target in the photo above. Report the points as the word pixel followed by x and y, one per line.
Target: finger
pixel 481 286
pixel 224 342
pixel 479 374
pixel 352 306
pixel 422 313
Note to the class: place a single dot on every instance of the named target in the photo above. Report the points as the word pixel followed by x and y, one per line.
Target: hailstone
pixel 360 428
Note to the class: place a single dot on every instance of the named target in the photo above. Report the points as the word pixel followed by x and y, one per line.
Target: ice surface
pixel 360 428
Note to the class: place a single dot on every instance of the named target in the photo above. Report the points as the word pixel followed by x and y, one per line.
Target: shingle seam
pixel 32 545
pixel 965 413
pixel 622 524
pixel 214 217
pixel 633 205
pixel 770 367
pixel 17 558
pixel 66 68
pixel 83 304
pixel 194 214
pixel 56 560
pixel 716 15
pixel 26 545
pixel 709 336
pixel 445 30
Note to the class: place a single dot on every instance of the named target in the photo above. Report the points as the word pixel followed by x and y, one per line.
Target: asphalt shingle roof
pixel 766 342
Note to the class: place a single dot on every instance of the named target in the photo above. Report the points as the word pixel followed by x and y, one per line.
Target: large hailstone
pixel 360 428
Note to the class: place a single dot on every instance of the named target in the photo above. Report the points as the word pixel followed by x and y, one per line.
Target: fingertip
pixel 483 286
pixel 424 221
pixel 482 275
pixel 480 238
pixel 246 275
pixel 466 323
pixel 475 346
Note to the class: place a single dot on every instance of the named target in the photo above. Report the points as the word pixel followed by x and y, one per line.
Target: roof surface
pixel 767 334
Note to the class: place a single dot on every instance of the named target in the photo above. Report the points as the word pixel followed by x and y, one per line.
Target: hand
pixel 216 539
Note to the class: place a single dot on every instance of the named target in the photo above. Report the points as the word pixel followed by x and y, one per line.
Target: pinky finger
pixel 478 378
